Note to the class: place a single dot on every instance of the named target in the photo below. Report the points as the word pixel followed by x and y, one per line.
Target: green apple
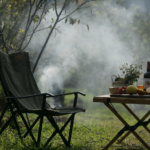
pixel 131 89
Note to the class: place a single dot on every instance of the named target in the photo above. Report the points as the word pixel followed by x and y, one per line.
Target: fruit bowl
pixel 113 90
pixel 140 92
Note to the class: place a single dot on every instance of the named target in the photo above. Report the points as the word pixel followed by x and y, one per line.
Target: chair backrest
pixel 17 78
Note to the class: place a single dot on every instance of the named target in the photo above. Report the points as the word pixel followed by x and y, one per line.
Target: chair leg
pixel 32 126
pixel 5 108
pixel 52 121
pixel 5 125
pixel 27 119
pixel 1 117
pixel 40 130
pixel 24 121
pixel 14 118
pixel 55 132
pixel 51 137
pixel 71 128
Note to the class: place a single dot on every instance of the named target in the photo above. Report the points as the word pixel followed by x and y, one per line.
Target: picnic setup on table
pixel 123 92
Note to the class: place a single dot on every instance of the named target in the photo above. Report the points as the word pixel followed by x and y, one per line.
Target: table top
pixel 128 99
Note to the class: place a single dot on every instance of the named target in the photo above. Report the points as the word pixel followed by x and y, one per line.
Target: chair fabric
pixel 19 84
pixel 17 78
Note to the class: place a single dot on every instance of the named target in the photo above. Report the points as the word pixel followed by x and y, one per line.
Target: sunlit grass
pixel 92 130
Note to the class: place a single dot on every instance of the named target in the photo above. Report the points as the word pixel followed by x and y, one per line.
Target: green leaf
pixel 51 27
pixel 75 20
pixel 66 20
pixel 36 18
pixel 88 27
pixel 53 20
pixel 71 21
pixel 21 30
pixel 78 21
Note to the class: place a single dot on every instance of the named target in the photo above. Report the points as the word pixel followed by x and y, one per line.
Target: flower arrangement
pixel 131 72
pixel 119 78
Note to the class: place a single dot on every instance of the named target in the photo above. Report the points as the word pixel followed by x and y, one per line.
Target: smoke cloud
pixel 89 58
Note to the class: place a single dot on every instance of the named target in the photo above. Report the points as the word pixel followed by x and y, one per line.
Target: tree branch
pixel 43 48
pixel 27 24
pixel 56 8
pixel 38 30
pixel 76 9
pixel 30 21
pixel 35 28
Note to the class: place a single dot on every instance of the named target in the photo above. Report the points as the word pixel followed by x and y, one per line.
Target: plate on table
pixel 130 96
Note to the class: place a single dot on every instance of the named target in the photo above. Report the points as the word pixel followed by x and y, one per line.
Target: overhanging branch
pixel 76 9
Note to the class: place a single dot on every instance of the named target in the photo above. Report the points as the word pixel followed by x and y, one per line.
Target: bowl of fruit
pixel 118 90
pixel 122 90
pixel 113 90
pixel 140 92
pixel 118 83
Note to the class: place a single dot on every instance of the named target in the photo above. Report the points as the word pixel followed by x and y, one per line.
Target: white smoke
pixel 96 54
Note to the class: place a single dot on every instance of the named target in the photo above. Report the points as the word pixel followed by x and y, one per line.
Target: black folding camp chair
pixel 23 96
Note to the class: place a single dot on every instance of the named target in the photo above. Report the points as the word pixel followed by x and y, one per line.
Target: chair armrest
pixel 47 95
pixel 28 96
pixel 67 94
pixel 75 98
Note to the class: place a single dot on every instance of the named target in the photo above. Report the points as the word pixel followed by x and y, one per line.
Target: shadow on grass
pixel 58 147
pixel 83 147
pixel 127 147
pixel 130 148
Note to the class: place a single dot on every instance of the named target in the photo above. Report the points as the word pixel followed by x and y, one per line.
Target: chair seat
pixel 58 111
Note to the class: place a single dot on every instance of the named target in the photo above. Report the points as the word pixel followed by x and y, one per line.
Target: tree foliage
pixel 22 19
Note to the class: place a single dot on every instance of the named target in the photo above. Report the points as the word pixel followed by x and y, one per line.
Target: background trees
pixel 114 38
pixel 119 33
pixel 22 19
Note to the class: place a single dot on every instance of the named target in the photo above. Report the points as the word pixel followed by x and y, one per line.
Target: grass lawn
pixel 92 131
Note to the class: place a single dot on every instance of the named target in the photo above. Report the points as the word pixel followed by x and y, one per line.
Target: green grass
pixel 92 131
